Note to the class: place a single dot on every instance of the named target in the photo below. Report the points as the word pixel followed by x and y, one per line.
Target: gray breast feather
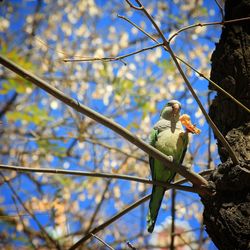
pixel 163 124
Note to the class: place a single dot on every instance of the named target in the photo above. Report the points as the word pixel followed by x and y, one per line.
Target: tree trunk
pixel 227 214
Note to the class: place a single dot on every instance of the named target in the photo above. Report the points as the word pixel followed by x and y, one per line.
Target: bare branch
pixel 92 219
pixel 221 9
pixel 133 6
pixel 172 236
pixel 130 246
pixel 185 242
pixel 209 120
pixel 109 59
pixel 89 140
pixel 116 217
pixel 102 241
pixel 110 221
pixel 139 28
pixel 23 224
pixel 190 66
pixel 8 104
pixel 215 85
pixel 208 24
pixel 100 175
pixel 47 236
pixel 123 212
pixel 209 151
pixel 196 179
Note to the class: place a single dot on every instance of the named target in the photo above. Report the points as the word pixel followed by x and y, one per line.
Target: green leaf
pixel 15 116
pixel 50 147
pixel 30 114
pixel 18 84
pixel 123 86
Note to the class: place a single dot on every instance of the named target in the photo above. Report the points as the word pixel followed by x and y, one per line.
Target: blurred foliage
pixel 38 131
pixel 16 83
pixel 30 114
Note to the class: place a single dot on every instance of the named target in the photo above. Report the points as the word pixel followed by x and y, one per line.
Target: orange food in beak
pixel 186 122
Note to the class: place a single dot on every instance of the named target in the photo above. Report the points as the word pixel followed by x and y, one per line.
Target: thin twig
pixel 101 175
pixel 189 230
pixel 110 221
pixel 116 217
pixel 185 242
pixel 54 242
pixel 89 140
pixel 209 152
pixel 123 212
pixel 97 209
pixel 152 21
pixel 21 219
pixel 215 85
pixel 109 59
pixel 209 120
pixel 190 66
pixel 130 246
pixel 201 236
pixel 133 6
pixel 102 241
pixel 182 170
pixel 207 24
pixel 172 236
pixel 139 28
pixel 8 104
pixel 221 9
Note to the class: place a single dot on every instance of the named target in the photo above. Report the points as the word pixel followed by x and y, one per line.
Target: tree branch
pixel 215 85
pixel 190 66
pixel 123 212
pixel 209 120
pixel 221 9
pixel 100 175
pixel 196 179
pixel 22 222
pixel 133 6
pixel 110 221
pixel 208 24
pixel 88 140
pixel 172 236
pixel 97 209
pixel 8 104
pixel 116 217
pixel 47 236
pixel 139 28
pixel 110 59
pixel 103 242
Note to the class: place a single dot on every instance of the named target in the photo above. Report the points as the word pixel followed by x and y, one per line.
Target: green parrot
pixel 169 137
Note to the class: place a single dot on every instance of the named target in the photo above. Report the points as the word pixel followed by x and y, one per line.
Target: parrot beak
pixel 176 109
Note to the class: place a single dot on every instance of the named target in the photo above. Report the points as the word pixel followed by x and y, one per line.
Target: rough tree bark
pixel 227 214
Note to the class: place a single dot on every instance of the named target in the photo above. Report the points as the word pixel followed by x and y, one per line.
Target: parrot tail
pixel 154 206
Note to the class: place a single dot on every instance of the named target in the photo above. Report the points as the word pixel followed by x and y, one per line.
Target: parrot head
pixel 171 110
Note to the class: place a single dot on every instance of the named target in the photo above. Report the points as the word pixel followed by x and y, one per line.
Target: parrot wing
pixel 159 172
pixel 185 144
pixel 152 140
